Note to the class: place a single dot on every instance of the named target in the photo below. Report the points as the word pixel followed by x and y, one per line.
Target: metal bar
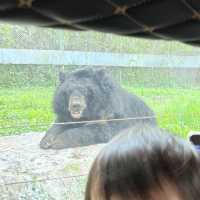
pixel 78 58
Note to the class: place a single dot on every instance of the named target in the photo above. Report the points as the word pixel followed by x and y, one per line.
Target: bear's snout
pixel 77 105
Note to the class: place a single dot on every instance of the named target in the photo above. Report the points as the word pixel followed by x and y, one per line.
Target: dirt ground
pixel 30 173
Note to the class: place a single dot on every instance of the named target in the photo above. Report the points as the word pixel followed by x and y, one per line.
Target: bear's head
pixel 83 93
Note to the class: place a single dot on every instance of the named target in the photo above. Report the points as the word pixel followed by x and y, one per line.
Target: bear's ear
pixel 104 80
pixel 84 72
pixel 100 74
pixel 62 77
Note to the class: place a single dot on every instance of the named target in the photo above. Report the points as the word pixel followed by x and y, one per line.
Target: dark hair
pixel 139 160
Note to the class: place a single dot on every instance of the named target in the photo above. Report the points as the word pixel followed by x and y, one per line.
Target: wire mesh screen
pixel 63 188
pixel 26 94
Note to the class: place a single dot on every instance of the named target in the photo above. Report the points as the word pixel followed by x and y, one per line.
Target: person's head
pixel 145 163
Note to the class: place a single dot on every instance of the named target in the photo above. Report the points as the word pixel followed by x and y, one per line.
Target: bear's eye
pixel 90 92
pixel 64 95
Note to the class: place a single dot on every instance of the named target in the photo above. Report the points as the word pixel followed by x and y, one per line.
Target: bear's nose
pixel 76 107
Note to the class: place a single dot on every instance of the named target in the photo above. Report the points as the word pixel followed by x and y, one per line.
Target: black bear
pixel 87 95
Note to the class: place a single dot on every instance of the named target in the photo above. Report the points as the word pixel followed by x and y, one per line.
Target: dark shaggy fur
pixel 104 99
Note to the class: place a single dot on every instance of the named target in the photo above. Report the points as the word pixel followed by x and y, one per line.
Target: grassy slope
pixel 176 109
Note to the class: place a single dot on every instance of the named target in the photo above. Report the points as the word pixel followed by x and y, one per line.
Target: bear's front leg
pixel 82 136
pixel 54 131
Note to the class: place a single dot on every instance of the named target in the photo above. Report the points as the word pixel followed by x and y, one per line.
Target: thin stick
pixel 82 122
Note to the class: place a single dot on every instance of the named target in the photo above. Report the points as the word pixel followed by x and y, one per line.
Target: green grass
pixel 24 107
pixel 178 110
